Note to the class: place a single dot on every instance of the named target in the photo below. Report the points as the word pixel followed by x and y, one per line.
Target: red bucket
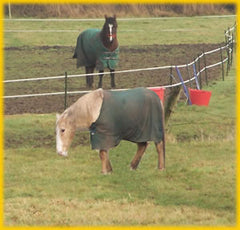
pixel 160 92
pixel 200 97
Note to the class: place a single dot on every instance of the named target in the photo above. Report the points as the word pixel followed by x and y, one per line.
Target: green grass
pixel 197 187
pixel 184 30
pixel 202 121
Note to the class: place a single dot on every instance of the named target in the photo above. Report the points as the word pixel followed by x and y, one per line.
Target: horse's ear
pixel 105 16
pixel 114 16
pixel 100 93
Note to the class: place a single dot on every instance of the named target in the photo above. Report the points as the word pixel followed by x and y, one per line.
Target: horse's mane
pixel 86 108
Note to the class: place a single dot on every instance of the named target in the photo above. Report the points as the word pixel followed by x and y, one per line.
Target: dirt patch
pixel 30 62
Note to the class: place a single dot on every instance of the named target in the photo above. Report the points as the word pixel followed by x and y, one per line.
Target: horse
pixel 135 115
pixel 98 49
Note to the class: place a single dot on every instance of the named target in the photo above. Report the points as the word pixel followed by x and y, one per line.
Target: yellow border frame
pixel 3 2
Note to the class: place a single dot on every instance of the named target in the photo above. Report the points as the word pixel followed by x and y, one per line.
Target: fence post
pixel 170 83
pixel 222 64
pixel 195 75
pixel 228 57
pixel 231 49
pixel 184 86
pixel 199 70
pixel 65 95
pixel 225 36
pixel 9 10
pixel 199 85
pixel 205 69
pixel 189 77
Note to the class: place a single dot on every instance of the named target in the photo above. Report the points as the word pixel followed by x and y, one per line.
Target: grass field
pixel 198 187
pixel 182 30
pixel 173 45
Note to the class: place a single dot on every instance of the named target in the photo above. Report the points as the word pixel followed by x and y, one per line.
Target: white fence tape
pixel 87 91
pixel 116 72
pixel 227 33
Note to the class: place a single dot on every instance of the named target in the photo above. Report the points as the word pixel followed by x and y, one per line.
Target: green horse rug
pixel 90 51
pixel 134 115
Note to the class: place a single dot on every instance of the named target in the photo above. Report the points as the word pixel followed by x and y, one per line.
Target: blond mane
pixel 84 111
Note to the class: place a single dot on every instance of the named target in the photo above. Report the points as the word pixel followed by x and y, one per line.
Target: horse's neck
pixel 86 110
pixel 80 116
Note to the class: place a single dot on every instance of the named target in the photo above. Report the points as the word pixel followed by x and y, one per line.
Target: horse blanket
pixel 135 115
pixel 91 52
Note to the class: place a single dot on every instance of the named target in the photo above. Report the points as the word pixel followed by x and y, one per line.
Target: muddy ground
pixel 31 62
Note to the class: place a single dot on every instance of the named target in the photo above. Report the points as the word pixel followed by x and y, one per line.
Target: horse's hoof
pixel 133 168
pixel 161 169
pixel 106 172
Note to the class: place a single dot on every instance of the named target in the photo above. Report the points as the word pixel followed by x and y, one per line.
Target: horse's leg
pixel 112 78
pixel 161 155
pixel 106 165
pixel 100 78
pixel 137 158
pixel 89 79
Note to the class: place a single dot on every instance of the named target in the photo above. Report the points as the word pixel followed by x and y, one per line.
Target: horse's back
pixel 85 50
pixel 134 115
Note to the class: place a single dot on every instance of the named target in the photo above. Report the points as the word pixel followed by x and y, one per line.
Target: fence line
pixel 116 72
pixel 229 40
pixel 78 31
pixel 87 91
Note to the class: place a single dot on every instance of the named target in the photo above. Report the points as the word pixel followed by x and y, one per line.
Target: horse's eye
pixel 62 130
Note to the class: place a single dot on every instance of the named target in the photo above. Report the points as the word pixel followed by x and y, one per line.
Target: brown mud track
pixel 31 62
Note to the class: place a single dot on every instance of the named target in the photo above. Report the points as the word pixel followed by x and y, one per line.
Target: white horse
pixel 91 112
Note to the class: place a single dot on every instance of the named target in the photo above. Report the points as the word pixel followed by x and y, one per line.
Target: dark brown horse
pixel 98 49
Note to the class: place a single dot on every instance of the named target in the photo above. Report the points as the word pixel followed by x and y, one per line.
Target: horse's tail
pixel 78 46
pixel 80 49
pixel 75 52
pixel 74 55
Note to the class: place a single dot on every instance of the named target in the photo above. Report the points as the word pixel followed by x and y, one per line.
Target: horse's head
pixel 64 133
pixel 110 28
